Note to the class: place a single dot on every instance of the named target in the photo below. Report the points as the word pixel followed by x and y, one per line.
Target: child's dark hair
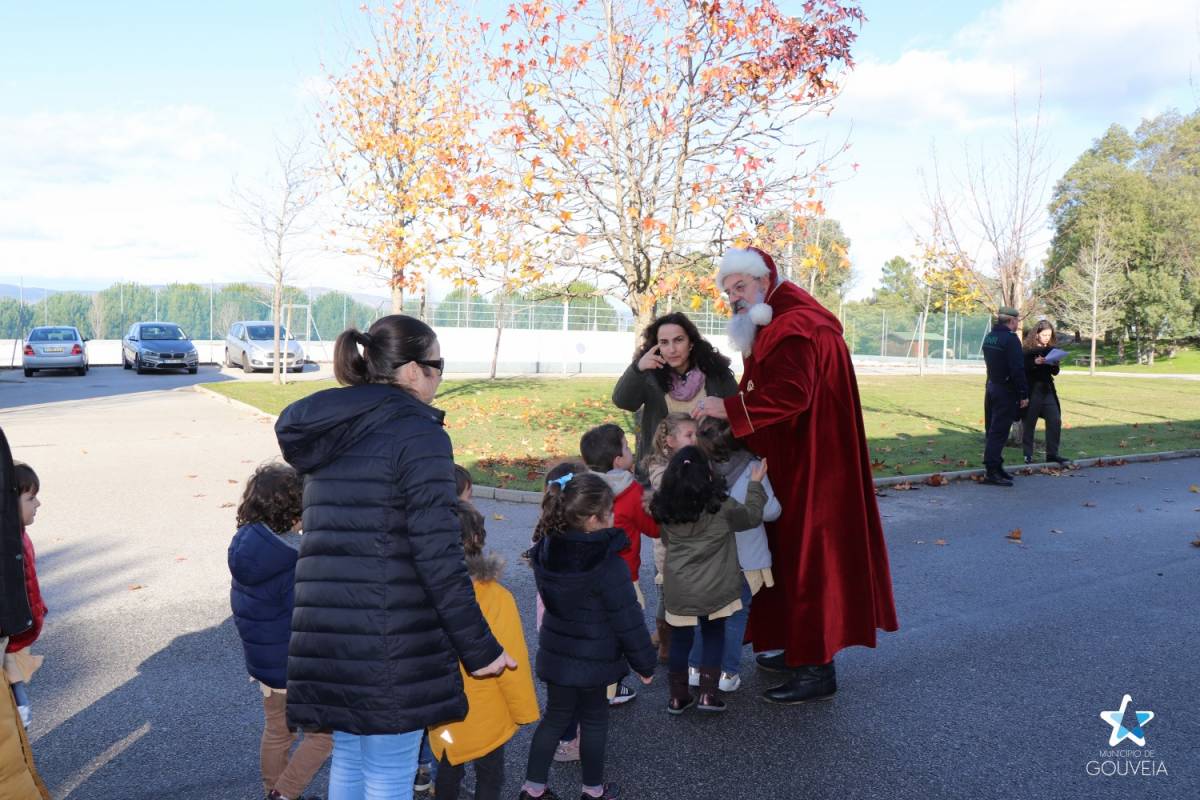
pixel 559 470
pixel 715 437
pixel 474 532
pixel 27 479
pixel 462 480
pixel 689 489
pixel 601 446
pixel 568 504
pixel 390 342
pixel 274 496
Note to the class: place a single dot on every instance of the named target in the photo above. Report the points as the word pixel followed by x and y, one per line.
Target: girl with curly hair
pixel 702 580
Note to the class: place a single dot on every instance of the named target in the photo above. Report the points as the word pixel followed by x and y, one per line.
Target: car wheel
pixel 246 368
pixel 82 370
pixel 125 361
pixel 29 373
pixel 192 370
pixel 227 362
pixel 137 365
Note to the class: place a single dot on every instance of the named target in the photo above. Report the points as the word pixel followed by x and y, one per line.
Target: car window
pixel 236 331
pixel 266 333
pixel 53 335
pixel 163 333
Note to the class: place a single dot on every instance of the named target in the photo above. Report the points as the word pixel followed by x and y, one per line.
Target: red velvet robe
pixel 798 407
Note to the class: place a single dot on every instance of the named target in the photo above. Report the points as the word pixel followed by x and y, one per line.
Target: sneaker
pixel 423 780
pixel 693 676
pixel 611 792
pixel 624 695
pixel 728 683
pixel 1028 459
pixel 567 751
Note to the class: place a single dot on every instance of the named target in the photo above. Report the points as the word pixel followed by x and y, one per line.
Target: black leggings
pixel 562 702
pixel 489 776
pixel 713 631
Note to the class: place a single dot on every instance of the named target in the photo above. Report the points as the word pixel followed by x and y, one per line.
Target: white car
pixel 54 347
pixel 251 346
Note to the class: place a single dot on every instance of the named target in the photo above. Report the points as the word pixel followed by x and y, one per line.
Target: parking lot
pixel 1008 651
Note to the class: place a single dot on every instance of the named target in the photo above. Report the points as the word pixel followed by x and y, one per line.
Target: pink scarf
pixel 686 387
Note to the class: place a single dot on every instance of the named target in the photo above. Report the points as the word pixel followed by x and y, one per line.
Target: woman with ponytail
pixel 592 631
pixel 384 606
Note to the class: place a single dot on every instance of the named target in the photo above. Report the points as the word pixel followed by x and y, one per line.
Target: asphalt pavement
pixel 1008 653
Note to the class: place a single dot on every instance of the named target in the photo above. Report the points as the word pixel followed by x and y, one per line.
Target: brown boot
pixel 710 695
pixel 681 696
pixel 664 640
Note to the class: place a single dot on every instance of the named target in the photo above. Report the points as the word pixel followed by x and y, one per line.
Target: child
pixel 463 484
pixel 497 705
pixel 733 462
pixel 702 583
pixel 606 450
pixel 592 632
pixel 19 663
pixel 262 561
pixel 426 767
pixel 675 431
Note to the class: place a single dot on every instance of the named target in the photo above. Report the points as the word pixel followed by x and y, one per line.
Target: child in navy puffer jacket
pixel 262 561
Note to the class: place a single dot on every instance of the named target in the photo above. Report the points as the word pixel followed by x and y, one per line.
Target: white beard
pixel 743 328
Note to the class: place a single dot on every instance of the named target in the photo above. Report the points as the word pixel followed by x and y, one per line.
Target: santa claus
pixel 798 408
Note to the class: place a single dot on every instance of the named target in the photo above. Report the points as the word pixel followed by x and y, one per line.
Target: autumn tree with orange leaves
pixel 652 133
pixel 401 128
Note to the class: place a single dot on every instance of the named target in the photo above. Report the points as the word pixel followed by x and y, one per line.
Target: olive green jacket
pixel 702 574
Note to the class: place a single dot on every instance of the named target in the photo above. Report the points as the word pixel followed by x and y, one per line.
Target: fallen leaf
pixel 1014 534
pixel 1089 504
pixel 231 480
pixel 181 558
pixel 905 486
pixel 226 505
pixel 941 542
pixel 498 517
pixel 192 476
pixel 1196 542
pixel 1056 530
pixel 84 452
pixel 201 494
pixel 936 479
pixel 133 587
pixel 1194 489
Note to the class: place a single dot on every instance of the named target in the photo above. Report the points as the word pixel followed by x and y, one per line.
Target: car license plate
pixel 54 349
pixel 173 361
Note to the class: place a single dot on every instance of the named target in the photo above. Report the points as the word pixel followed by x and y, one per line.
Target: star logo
pixel 1121 731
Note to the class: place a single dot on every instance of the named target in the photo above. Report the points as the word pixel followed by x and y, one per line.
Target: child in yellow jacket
pixel 498 705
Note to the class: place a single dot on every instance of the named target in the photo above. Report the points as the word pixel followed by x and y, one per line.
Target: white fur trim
pixel 741 262
pixel 761 314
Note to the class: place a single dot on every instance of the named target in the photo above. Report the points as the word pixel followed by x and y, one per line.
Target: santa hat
pixel 755 263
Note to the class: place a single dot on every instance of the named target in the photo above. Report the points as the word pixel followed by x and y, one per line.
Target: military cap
pixel 1008 311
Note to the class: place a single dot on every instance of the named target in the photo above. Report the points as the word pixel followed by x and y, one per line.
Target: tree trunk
pixel 278 356
pixel 397 292
pixel 276 321
pixel 499 330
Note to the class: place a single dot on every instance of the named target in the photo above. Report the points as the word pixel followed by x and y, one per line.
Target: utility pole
pixel 945 328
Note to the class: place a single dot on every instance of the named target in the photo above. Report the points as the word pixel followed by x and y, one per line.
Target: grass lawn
pixel 506 431
pixel 1185 361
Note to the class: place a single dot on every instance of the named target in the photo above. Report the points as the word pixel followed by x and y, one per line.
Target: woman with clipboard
pixel 1041 365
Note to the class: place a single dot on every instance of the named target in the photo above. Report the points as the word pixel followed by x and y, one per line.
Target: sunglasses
pixel 437 363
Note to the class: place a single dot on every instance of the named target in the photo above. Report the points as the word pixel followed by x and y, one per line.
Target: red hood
pixel 795 313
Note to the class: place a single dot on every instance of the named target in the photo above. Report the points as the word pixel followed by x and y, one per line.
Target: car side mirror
pixel 86 340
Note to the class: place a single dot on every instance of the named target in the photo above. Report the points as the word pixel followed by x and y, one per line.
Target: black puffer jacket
pixel 384 605
pixel 593 630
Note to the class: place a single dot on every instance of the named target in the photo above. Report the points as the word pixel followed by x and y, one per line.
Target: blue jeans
pixel 735 631
pixel 379 767
pixel 426 756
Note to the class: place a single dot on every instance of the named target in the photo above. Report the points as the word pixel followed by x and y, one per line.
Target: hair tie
pixel 364 339
pixel 564 480
pixel 687 461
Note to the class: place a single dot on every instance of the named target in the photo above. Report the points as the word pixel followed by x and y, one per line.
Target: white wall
pixel 465 350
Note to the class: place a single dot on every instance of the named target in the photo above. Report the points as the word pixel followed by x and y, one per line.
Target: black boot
pixel 681 695
pixel 775 663
pixel 996 478
pixel 1062 462
pixel 710 693
pixel 1006 473
pixel 817 682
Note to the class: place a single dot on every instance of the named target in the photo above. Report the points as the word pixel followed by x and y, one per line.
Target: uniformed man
pixel 1007 391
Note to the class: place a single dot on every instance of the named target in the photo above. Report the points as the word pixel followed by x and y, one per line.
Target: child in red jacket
pixel 606 450
pixel 19 663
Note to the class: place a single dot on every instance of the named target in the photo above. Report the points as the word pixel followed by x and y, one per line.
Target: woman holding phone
pixel 1043 399
pixel 674 370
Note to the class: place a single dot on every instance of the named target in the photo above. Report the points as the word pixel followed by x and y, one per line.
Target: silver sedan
pixel 54 347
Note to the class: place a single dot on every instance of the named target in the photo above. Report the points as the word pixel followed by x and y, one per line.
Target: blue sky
pixel 126 123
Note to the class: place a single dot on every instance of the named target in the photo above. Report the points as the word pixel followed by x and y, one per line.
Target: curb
pixel 1030 469
pixel 535 498
pixel 258 412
